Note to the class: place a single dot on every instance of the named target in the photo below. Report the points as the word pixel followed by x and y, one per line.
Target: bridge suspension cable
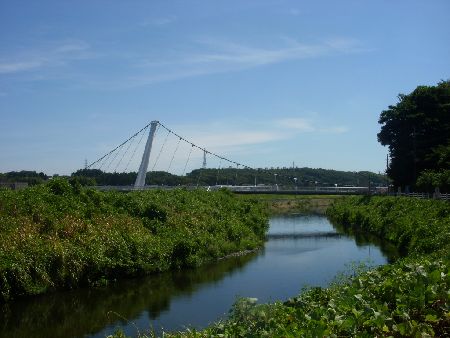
pixel 123 155
pixel 204 149
pixel 160 151
pixel 123 150
pixel 120 145
pixel 189 156
pixel 135 149
pixel 221 158
pixel 173 155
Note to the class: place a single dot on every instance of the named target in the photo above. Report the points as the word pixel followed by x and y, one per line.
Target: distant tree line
pixel 417 132
pixel 30 177
pixel 301 177
pixel 231 176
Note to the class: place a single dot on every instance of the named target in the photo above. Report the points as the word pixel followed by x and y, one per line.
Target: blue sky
pixel 265 83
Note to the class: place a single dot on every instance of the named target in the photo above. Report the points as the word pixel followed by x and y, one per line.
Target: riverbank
pixel 62 236
pixel 408 298
pixel 414 225
pixel 305 204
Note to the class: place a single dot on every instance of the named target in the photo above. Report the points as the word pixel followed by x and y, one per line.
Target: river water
pixel 301 251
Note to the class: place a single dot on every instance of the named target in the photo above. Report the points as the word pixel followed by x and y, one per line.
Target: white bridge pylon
pixel 142 173
pixel 109 159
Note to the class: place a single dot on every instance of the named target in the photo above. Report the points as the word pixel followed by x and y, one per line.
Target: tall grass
pixel 60 235
pixel 415 226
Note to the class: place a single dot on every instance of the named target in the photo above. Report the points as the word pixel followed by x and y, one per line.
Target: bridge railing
pixel 277 189
pixel 445 197
pixel 247 189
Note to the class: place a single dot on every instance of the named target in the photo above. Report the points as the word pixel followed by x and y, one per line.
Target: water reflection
pixel 87 311
pixel 366 240
pixel 300 251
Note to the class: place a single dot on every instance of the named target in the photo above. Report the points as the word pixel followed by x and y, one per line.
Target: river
pixel 301 251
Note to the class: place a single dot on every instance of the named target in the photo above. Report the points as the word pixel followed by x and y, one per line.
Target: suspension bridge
pixel 164 151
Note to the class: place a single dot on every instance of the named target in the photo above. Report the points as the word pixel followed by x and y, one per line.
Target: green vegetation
pixel 306 177
pixel 91 309
pixel 409 298
pixel 415 226
pixel 417 131
pixel 30 177
pixel 305 204
pixel 430 179
pixel 60 235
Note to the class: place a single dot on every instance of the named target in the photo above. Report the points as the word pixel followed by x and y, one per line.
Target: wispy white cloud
pixel 13 67
pixel 297 124
pixel 70 47
pixel 55 55
pixel 220 135
pixel 347 45
pixel 303 125
pixel 232 139
pixel 200 57
pixel 219 56
pixel 223 134
pixel 235 139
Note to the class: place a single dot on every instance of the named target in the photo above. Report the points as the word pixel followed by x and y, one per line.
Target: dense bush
pixel 61 235
pixel 431 179
pixel 415 226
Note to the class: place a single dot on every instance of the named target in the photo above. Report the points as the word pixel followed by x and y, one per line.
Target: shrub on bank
pixel 414 225
pixel 409 298
pixel 60 235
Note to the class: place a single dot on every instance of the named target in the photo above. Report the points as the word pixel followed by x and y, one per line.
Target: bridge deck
pixel 254 190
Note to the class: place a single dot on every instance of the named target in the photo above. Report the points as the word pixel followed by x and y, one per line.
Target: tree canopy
pixel 417 132
pixel 30 177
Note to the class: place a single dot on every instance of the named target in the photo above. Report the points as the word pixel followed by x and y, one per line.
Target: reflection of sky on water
pixel 197 297
pixel 295 223
pixel 279 272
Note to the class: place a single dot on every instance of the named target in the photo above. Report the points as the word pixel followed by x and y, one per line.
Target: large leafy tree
pixel 417 132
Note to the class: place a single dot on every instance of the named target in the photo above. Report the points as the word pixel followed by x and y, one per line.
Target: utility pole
pixel 414 155
pixel 387 166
